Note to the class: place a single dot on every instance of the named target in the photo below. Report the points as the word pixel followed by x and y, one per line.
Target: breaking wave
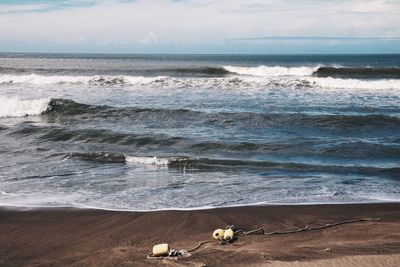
pixel 16 107
pixel 157 161
pixel 230 82
pixel 68 79
pixel 318 71
pixel 339 83
pixel 266 71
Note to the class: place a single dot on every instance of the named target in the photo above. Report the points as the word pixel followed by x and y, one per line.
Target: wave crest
pixel 266 71
pixel 345 72
pixel 242 82
pixel 68 79
pixel 16 107
pixel 148 161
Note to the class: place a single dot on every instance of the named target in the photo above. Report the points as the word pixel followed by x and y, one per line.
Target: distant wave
pixel 9 75
pixel 68 79
pixel 229 82
pixel 340 83
pixel 266 71
pixel 319 71
pixel 212 71
pixel 362 73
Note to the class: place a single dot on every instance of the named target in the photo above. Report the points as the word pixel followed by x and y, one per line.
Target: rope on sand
pixel 199 245
pixel 305 228
pixel 176 254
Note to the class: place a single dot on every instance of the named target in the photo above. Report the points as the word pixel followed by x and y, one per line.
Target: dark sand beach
pixel 79 237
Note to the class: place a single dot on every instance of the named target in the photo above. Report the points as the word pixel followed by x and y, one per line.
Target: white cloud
pixel 150 38
pixel 197 21
pixel 22 8
pixel 372 6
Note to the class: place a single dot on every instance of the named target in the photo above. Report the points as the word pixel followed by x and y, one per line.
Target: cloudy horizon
pixel 200 26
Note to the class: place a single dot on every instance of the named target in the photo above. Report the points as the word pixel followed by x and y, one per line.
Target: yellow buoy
pixel 218 234
pixel 160 250
pixel 228 234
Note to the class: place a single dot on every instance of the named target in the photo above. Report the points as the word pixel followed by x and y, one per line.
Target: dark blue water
pixel 143 132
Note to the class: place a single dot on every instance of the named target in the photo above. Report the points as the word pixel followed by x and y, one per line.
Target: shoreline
pixel 204 208
pixel 71 236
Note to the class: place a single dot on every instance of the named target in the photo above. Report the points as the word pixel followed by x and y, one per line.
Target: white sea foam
pixel 42 79
pixel 16 107
pixel 65 79
pixel 267 71
pixel 329 82
pixel 147 160
pixel 291 77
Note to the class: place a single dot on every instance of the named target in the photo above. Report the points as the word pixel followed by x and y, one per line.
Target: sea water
pixel 146 132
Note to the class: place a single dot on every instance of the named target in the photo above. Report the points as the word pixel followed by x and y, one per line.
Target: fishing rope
pixel 308 228
pixel 176 254
pixel 199 245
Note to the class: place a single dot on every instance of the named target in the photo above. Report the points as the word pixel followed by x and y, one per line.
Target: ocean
pixel 151 132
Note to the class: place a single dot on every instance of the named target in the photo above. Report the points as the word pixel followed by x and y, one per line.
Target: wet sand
pixel 79 237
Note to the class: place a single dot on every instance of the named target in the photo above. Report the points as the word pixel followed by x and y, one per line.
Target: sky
pixel 201 26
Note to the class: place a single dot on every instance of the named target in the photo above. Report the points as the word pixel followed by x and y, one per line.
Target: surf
pixel 17 107
pixel 234 81
pixel 271 71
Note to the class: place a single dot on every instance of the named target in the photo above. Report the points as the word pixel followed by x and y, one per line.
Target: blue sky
pixel 201 26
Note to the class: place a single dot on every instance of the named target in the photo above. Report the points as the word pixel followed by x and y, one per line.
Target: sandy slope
pixel 72 237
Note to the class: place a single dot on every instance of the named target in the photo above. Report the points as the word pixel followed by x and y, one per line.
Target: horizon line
pixel 194 54
pixel 315 38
